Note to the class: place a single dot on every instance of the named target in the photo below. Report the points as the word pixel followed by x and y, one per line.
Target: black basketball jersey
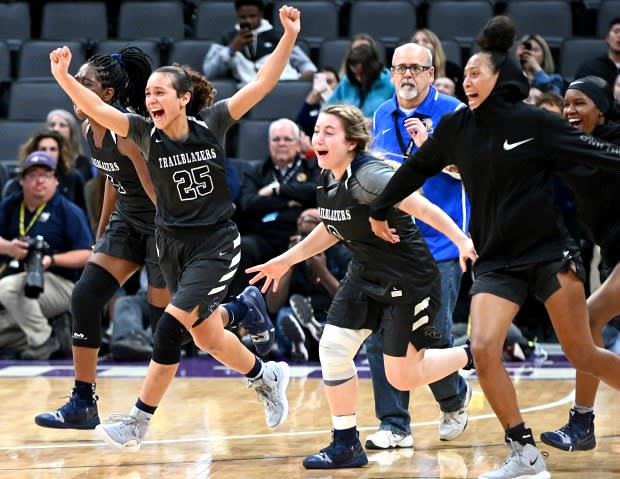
pixel 132 201
pixel 343 205
pixel 189 175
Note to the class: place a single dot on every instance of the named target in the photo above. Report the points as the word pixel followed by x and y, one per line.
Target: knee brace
pixel 337 349
pixel 168 340
pixel 155 314
pixel 90 294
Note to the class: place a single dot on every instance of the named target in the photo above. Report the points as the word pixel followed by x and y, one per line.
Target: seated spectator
pixel 323 84
pixel 71 184
pixel 534 55
pixel 443 67
pixel 359 39
pixel 445 85
pixel 305 293
pixel 132 338
pixel 273 194
pixel 40 213
pixel 66 124
pixel 606 66
pixel 367 82
pixel 242 51
pixel 550 101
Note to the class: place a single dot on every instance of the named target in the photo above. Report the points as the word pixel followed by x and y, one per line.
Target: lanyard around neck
pixel 406 150
pixel 22 214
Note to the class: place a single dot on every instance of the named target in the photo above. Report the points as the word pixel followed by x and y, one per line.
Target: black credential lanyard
pixel 406 150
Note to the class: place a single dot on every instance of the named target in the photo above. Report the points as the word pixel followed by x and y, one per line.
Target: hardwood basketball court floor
pixel 210 425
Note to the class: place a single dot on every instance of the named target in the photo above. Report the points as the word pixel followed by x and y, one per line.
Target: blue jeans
pixel 392 405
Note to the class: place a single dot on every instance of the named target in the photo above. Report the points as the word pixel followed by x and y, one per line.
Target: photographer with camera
pixel 243 50
pixel 44 242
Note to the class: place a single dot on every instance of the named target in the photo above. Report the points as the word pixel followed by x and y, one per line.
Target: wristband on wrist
pixel 52 261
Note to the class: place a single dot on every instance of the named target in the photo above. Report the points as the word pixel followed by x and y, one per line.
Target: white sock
pixel 344 422
pixel 583 409
pixel 140 414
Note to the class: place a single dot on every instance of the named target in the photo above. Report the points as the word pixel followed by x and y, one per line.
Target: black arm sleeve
pixel 569 145
pixel 426 162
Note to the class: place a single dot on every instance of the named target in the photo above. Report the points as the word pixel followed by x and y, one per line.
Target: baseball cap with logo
pixel 38 158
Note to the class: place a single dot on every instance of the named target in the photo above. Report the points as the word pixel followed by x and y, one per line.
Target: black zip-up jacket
pixel 506 151
pixel 596 193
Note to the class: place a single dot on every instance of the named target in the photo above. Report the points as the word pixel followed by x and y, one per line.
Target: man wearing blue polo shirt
pixel 400 126
pixel 38 210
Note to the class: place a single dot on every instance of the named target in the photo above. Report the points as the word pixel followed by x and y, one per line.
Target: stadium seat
pixel 214 19
pixel 32 100
pixel 74 21
pixel 189 52
pixel 253 140
pixel 34 58
pixel 390 22
pixel 460 20
pixel 284 101
pixel 152 20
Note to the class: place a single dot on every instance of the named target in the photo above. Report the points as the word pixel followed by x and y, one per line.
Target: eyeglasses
pixel 35 176
pixel 288 139
pixel 415 69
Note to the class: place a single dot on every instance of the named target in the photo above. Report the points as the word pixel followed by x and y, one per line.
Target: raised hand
pixel 60 59
pixel 272 271
pixel 290 19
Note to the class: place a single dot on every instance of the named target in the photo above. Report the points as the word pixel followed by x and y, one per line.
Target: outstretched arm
pixel 418 206
pixel 269 74
pixel 88 101
pixel 316 242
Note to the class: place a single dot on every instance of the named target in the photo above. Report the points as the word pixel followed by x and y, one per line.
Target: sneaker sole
pixel 373 446
pixel 588 446
pixel 359 461
pixel 282 392
pixel 292 331
pixel 63 425
pixel 108 440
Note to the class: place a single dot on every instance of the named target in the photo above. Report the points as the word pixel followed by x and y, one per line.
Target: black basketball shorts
pixel 123 240
pixel 199 270
pixel 401 324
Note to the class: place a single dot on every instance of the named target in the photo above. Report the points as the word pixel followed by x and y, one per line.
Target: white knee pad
pixel 337 349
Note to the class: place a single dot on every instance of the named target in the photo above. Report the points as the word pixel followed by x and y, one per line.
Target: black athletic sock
pixel 348 436
pixel 236 312
pixel 85 391
pixel 145 407
pixel 521 434
pixel 256 370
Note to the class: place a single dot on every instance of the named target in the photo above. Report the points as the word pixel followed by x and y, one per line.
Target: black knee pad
pixel 155 314
pixel 90 294
pixel 168 340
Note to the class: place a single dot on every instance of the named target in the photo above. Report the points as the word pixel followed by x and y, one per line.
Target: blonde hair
pixel 438 54
pixel 548 65
pixel 353 123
